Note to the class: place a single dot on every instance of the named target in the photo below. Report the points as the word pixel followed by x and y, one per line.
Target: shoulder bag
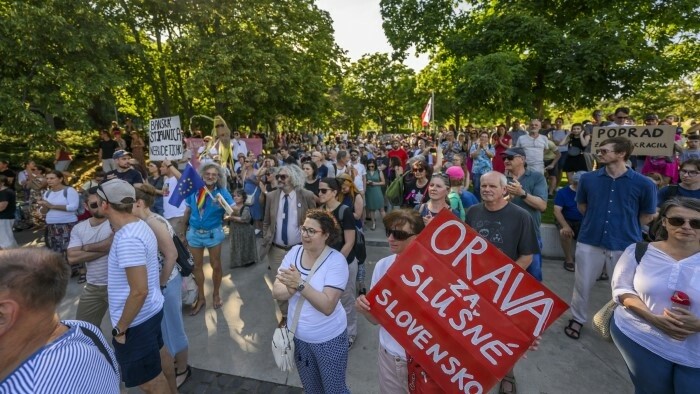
pixel 283 337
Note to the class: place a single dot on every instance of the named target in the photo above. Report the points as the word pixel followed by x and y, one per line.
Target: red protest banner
pixel 460 307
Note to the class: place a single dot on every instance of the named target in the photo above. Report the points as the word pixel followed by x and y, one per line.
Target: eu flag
pixel 189 183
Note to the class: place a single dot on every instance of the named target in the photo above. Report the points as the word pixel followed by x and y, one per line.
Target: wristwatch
pixel 524 196
pixel 301 287
pixel 116 332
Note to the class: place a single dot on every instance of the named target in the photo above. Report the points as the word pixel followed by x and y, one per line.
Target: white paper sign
pixel 165 138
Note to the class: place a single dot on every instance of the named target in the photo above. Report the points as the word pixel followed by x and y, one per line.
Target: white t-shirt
pixel 170 211
pixel 314 326
pixel 361 172
pixel 385 339
pixel 84 234
pixel 134 245
pixel 68 197
pixel 655 280
pixel 534 151
pixel 238 146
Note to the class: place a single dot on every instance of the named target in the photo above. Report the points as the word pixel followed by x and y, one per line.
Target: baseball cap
pixel 117 191
pixel 577 176
pixel 455 172
pixel 514 152
pixel 120 153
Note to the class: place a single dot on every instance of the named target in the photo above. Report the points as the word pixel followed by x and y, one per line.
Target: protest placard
pixel 460 307
pixel 254 145
pixel 165 138
pixel 647 140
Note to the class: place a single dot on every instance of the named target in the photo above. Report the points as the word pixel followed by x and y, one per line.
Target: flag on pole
pixel 189 183
pixel 427 113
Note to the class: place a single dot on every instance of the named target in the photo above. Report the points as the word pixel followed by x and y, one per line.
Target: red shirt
pixel 401 154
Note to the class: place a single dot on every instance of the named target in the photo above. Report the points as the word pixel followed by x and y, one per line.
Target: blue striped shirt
pixel 70 364
pixel 134 245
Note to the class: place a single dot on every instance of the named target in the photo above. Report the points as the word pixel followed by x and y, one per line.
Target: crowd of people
pixel 304 206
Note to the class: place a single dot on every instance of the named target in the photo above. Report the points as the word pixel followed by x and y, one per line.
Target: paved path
pixel 230 347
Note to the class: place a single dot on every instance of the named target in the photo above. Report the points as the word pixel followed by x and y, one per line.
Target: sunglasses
pixel 281 177
pixel 93 205
pixel 399 235
pixel 323 191
pixel 419 169
pixel 678 221
pixel 510 157
pixel 104 195
pixel 219 126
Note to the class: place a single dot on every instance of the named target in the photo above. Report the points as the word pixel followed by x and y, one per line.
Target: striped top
pixel 73 363
pixel 134 245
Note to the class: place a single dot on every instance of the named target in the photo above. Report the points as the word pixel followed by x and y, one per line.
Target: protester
pixel 615 202
pixel 657 337
pixel 249 179
pixel 123 169
pixel 135 300
pixel 204 215
pixel 320 338
pixel 285 210
pixel 106 148
pixel 90 241
pixel 689 186
pixel 63 158
pixel 374 194
pixel 175 215
pixel 7 173
pixel 481 153
pixel 438 189
pixel 460 198
pixel 501 141
pixel 510 228
pixel 534 145
pixel 156 179
pixel 244 249
pixel 311 171
pixel 568 219
pixel 172 326
pixel 402 226
pixel 416 184
pixel 329 190
pixel 41 353
pixel 137 146
pixel 576 143
pixel 8 205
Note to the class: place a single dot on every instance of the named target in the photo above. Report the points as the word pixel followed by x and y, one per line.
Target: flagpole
pixel 432 108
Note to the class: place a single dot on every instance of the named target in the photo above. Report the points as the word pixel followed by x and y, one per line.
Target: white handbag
pixel 249 199
pixel 283 337
pixel 189 290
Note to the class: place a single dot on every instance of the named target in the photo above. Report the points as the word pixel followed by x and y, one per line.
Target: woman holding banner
pixel 402 227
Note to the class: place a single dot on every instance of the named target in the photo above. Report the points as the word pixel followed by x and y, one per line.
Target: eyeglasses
pixel 309 231
pixel 690 173
pixel 418 169
pixel 602 151
pixel 93 205
pixel 211 174
pixel 510 157
pixel 678 221
pixel 281 177
pixel 323 191
pixel 399 235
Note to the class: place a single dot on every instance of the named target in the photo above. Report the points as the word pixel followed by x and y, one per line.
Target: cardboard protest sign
pixel 647 140
pixel 254 145
pixel 460 307
pixel 165 138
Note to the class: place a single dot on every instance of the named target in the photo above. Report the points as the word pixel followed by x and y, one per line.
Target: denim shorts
pixel 201 238
pixel 139 357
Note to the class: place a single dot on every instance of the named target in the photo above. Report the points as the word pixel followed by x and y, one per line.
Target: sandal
pixel 513 389
pixel 571 331
pixel 187 372
pixel 569 266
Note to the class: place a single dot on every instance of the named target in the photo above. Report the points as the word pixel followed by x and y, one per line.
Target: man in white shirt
pixel 135 296
pixel 90 241
pixel 174 214
pixel 360 178
pixel 534 145
pixel 239 146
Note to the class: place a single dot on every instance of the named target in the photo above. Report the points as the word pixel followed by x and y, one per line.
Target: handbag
pixel 283 337
pixel 185 261
pixel 601 320
pixel 250 198
pixel 189 290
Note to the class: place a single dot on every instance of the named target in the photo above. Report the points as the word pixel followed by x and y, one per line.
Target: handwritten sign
pixel 460 307
pixel 165 138
pixel 647 140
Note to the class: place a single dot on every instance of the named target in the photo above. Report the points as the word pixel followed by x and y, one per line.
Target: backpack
pixel 639 250
pixel 655 225
pixel 456 205
pixel 394 193
pixel 81 200
pixel 359 248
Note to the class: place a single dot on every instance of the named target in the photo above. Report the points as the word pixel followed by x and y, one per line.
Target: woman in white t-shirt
pixel 320 335
pixel 402 227
pixel 657 327
pixel 60 203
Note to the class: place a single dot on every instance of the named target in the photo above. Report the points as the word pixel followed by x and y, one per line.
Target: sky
pixel 358 29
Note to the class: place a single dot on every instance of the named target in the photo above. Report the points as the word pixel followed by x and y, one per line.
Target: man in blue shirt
pixel 615 202
pixel 568 219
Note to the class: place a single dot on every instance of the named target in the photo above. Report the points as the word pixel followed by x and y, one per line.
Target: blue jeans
pixel 535 268
pixel 476 180
pixel 651 373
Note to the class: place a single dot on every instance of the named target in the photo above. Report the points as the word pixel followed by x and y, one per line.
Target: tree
pixel 385 89
pixel 522 55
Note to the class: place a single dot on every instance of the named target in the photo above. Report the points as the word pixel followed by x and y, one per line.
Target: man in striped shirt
pixel 135 296
pixel 38 352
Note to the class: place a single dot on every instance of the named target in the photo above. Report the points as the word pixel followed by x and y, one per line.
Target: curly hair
pixel 296 174
pixel 221 183
pixel 328 224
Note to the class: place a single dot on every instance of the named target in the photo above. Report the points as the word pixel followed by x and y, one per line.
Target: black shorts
pixel 139 357
pixel 575 225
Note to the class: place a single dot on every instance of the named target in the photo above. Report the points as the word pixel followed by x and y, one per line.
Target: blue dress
pixel 250 185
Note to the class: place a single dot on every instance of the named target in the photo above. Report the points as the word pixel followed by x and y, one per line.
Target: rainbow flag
pixel 201 197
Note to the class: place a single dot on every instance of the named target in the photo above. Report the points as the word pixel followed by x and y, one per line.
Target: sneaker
pixel 351 341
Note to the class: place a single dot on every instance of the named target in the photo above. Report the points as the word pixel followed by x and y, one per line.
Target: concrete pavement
pixel 230 347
